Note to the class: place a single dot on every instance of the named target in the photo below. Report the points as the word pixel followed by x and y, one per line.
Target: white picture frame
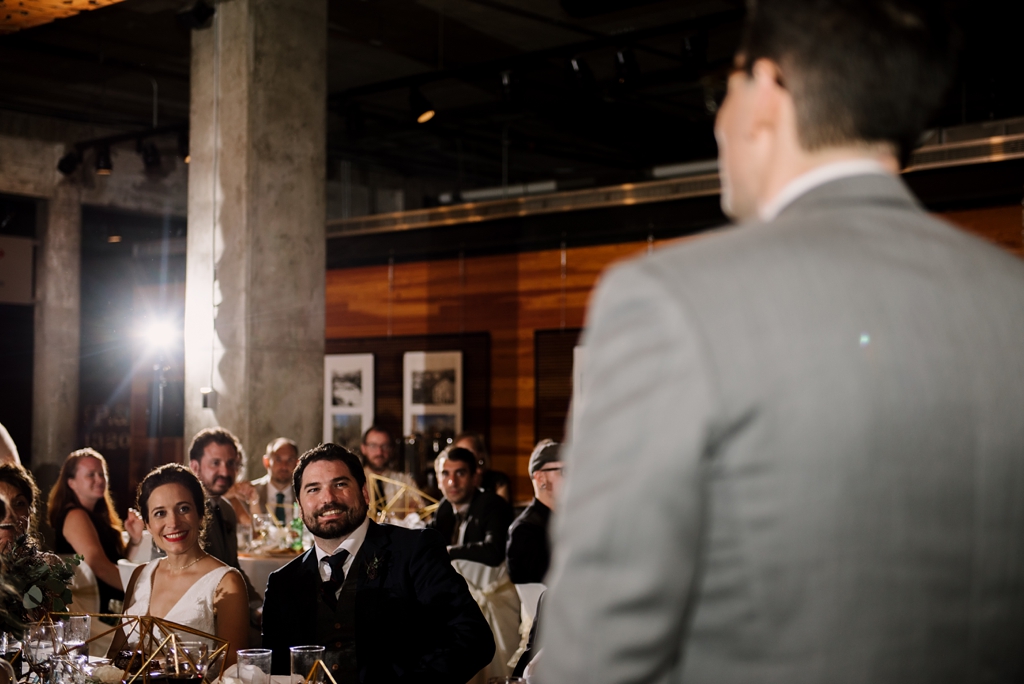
pixel 348 398
pixel 432 391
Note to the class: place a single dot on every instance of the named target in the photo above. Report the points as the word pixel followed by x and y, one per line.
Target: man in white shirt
pixel 274 490
pixel 383 600
pixel 798 457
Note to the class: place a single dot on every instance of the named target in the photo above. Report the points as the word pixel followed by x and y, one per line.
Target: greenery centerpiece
pixel 34 583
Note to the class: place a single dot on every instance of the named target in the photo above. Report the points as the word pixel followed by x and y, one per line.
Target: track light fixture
pixel 150 155
pixel 183 148
pixel 420 107
pixel 198 17
pixel 627 71
pixel 103 164
pixel 68 164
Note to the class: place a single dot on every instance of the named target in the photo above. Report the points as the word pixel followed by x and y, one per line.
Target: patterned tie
pixel 279 508
pixel 331 586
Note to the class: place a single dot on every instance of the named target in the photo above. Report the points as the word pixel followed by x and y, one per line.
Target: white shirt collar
pixel 826 173
pixel 351 543
pixel 273 491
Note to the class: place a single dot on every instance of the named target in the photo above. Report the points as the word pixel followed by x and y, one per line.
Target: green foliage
pixel 32 584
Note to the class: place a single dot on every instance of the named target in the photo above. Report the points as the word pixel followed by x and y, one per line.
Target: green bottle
pixel 296 532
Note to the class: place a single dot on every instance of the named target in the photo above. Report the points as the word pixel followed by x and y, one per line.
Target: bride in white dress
pixel 189 586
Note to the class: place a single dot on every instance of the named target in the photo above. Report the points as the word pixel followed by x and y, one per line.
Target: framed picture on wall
pixel 432 393
pixel 348 398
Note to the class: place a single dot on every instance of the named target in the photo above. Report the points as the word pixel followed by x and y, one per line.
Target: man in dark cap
pixel 528 552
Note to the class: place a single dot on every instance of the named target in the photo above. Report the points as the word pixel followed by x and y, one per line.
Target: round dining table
pixel 259 567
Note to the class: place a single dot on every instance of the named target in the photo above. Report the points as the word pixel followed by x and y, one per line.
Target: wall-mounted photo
pixel 432 393
pixel 347 388
pixel 347 430
pixel 348 398
pixel 433 387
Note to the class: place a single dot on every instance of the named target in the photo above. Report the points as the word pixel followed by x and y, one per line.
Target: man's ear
pixel 767 77
pixel 194 465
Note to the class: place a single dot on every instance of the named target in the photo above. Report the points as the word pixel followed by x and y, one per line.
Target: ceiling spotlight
pixel 183 148
pixel 103 165
pixel 69 162
pixel 150 155
pixel 196 18
pixel 419 106
pixel 627 71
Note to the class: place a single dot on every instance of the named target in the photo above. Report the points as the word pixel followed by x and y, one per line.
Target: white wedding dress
pixel 194 609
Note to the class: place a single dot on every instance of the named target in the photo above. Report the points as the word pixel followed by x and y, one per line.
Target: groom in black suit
pixel 384 601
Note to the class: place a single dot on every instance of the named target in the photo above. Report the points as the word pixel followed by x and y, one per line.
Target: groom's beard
pixel 342 526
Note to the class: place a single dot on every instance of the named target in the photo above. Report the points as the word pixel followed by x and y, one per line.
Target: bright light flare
pixel 160 335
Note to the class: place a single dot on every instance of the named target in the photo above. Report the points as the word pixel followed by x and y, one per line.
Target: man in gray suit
pixel 800 455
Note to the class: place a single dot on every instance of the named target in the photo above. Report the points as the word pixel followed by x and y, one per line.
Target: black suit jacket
pixel 415 618
pixel 487 524
pixel 528 551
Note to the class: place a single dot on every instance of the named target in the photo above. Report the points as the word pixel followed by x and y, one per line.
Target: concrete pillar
pixel 254 300
pixel 57 332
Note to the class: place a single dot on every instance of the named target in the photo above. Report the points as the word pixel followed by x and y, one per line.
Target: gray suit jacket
pixel 800 458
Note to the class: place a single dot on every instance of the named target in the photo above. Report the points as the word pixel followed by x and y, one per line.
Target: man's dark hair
pixel 459 454
pixel 328 452
pixel 215 435
pixel 377 428
pixel 859 71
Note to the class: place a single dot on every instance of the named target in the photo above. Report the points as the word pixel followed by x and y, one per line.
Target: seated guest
pixel 384 600
pixel 473 522
pixel 82 514
pixel 8 452
pixel 528 552
pixel 377 449
pixel 271 493
pixel 18 497
pixel 214 457
pixel 189 586
pixel 486 479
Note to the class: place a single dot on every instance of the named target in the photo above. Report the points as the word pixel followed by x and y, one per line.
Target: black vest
pixel 336 629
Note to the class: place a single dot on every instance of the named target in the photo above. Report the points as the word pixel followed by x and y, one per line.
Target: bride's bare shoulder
pixel 231 583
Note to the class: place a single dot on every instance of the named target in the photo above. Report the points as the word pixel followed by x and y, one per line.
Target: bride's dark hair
pixel 174 473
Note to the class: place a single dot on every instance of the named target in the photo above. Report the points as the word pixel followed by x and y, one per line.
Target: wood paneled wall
pixel 511 296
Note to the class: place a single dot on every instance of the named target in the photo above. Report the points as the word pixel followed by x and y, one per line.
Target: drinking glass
pixel 68 669
pixel 303 660
pixel 42 640
pixel 254 665
pixel 76 633
pixel 188 662
pixel 262 524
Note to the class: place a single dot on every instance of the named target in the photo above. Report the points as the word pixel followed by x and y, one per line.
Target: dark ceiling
pixel 510 104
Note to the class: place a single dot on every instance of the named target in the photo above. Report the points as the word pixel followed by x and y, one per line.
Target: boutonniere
pixel 372 567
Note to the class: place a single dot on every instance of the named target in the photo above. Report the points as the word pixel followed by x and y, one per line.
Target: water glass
pixel 254 665
pixel 303 660
pixel 68 669
pixel 76 633
pixel 188 661
pixel 42 641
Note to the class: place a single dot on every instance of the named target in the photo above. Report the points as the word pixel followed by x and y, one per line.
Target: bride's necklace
pixel 188 565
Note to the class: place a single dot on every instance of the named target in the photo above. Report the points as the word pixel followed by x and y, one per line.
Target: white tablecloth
pixel 258 568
